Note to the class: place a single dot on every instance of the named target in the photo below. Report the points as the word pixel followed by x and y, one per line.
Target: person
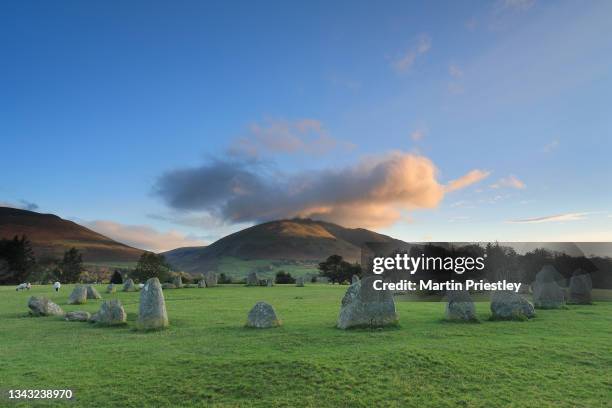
pixel 57 286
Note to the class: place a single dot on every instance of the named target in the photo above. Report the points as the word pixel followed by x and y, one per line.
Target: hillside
pixel 51 236
pixel 294 240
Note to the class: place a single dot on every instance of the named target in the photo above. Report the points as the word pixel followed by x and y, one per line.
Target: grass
pixel 562 358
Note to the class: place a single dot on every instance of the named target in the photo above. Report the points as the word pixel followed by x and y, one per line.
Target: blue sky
pixel 137 118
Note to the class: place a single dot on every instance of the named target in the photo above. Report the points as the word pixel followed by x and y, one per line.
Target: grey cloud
pixel 369 193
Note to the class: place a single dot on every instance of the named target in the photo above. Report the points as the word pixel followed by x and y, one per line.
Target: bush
pixel 117 279
pixel 284 277
pixel 223 278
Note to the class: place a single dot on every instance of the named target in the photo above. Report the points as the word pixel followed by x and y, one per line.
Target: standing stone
pixel 252 279
pixel 202 283
pixel 547 294
pixel 299 282
pixel 524 289
pixel 78 295
pixel 580 288
pixel 42 306
pixel 111 288
pixel 177 282
pixel 92 293
pixel 262 316
pixel 78 316
pixel 363 306
pixel 459 306
pixel 354 279
pixel 211 279
pixel 128 286
pixel 152 311
pixel 269 282
pixel 322 279
pixel 507 305
pixel 549 273
pixel 111 313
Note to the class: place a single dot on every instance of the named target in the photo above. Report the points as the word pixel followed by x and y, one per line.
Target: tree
pixel 117 279
pixel 284 277
pixel 223 278
pixel 71 265
pixel 337 270
pixel 18 258
pixel 151 265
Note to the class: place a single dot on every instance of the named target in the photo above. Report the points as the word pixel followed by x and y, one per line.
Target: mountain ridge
pixel 51 235
pixel 289 239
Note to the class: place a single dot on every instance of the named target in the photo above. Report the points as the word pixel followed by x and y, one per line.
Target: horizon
pixel 169 126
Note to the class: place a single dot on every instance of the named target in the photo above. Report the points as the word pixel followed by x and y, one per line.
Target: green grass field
pixel 563 358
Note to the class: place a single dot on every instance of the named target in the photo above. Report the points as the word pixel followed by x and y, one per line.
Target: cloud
pixel 371 193
pixel 288 137
pixel 510 182
pixel 405 61
pixel 552 218
pixel 141 236
pixel 417 135
pixel 204 221
pixel 455 71
pixel 470 178
pixel 551 146
pixel 22 205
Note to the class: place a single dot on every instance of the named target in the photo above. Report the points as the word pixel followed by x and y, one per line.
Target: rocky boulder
pixel 299 282
pixel 252 279
pixel 547 293
pixel 111 288
pixel 459 306
pixel 549 273
pixel 152 311
pixel 177 282
pixel 42 306
pixel 128 286
pixel 580 288
pixel 211 279
pixel 363 306
pixel 507 305
pixel 78 295
pixel 77 316
pixel 111 313
pixel 262 316
pixel 202 283
pixel 92 293
pixel 269 282
pixel 354 279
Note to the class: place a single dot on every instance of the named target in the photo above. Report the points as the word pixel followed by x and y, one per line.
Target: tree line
pixel 19 264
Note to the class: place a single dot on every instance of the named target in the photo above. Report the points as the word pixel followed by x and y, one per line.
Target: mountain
pixel 51 236
pixel 294 240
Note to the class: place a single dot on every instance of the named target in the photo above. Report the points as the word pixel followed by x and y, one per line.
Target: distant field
pixel 240 268
pixel 266 268
pixel 563 358
pixel 121 265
